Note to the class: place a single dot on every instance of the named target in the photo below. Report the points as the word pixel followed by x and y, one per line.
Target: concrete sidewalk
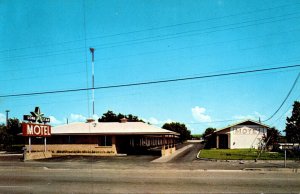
pixel 168 158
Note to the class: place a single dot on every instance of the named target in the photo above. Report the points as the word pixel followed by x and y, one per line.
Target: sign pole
pixel 284 158
pixel 29 142
pixel 45 142
pixel 36 127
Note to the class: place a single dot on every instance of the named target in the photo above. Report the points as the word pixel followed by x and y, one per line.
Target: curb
pixel 292 170
pixel 246 170
pixel 205 159
pixel 198 155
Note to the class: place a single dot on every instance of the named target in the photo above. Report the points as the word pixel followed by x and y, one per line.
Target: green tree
pixel 196 136
pixel 132 118
pixel 14 126
pixel 272 138
pixel 180 128
pixel 209 137
pixel 3 136
pixel 292 128
pixel 208 131
pixel 9 135
pixel 110 116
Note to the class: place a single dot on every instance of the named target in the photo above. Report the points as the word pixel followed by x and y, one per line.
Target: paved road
pixel 189 155
pixel 136 174
pixel 143 180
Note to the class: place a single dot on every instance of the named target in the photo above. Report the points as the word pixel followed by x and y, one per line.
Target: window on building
pixel 105 141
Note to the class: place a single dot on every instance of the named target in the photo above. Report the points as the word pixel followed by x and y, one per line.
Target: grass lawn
pixel 239 154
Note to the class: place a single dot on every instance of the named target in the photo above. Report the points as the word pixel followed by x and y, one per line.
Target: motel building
pixel 101 139
pixel 245 134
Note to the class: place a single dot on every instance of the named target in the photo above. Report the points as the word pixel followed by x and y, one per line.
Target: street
pixel 137 174
pixel 143 180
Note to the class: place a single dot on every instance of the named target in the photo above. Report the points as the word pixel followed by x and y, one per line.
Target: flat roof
pixel 110 128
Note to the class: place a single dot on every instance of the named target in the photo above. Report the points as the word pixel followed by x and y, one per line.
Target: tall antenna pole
pixel 93 80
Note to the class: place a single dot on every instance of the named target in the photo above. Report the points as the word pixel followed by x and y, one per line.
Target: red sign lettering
pixel 30 129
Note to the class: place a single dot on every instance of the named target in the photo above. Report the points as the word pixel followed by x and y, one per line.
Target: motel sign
pixel 30 129
pixel 35 128
pixel 36 116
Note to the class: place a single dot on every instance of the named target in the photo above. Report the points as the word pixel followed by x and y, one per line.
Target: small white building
pixel 244 134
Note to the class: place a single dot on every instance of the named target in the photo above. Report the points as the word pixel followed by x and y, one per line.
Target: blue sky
pixel 44 46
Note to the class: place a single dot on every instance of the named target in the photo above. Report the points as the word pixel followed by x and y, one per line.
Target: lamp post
pixel 7 111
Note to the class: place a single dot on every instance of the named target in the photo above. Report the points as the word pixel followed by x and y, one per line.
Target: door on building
pixel 223 141
pixel 122 144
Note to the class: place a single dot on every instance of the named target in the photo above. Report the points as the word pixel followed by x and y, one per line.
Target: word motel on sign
pixel 30 129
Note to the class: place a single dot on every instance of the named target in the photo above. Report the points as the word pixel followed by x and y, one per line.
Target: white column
pixel 29 142
pixel 45 144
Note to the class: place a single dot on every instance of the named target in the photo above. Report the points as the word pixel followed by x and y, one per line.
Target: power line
pixel 290 91
pixel 280 116
pixel 191 22
pixel 160 37
pixel 284 113
pixel 166 50
pixel 216 121
pixel 229 120
pixel 204 45
pixel 153 52
pixel 31 68
pixel 200 45
pixel 196 32
pixel 34 76
pixel 152 82
pixel 155 28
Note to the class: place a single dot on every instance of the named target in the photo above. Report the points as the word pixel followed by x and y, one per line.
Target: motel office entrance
pixel 223 141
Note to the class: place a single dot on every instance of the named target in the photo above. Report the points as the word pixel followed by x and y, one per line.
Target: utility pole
pixel 93 80
pixel 7 111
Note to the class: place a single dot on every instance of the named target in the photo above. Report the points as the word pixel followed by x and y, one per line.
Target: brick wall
pixel 167 151
pixel 75 149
